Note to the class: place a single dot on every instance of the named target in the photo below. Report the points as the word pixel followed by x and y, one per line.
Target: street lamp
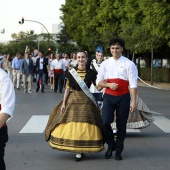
pixel 22 22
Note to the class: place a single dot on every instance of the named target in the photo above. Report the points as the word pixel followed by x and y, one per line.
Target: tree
pixel 14 36
pixel 91 22
pixel 65 43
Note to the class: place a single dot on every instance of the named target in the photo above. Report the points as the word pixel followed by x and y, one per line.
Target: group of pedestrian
pixel 16 67
pixel 97 94
pixel 36 67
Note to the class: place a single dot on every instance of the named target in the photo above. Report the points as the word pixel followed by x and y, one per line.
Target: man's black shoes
pixel 108 153
pixel 118 157
pixel 37 89
pixel 77 159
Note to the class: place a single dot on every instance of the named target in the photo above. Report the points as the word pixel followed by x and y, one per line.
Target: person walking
pixel 58 68
pixel 95 65
pixel 41 67
pixel 16 66
pixel 73 60
pixel 50 72
pixel 7 105
pixel 1 61
pixel 9 65
pixel 75 123
pixel 66 61
pixel 121 75
pixel 27 69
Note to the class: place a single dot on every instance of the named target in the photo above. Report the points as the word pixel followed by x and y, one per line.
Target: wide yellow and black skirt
pixel 78 129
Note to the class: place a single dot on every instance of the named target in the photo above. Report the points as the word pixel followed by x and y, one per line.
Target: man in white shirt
pixel 121 75
pixel 58 68
pixel 7 105
pixel 66 62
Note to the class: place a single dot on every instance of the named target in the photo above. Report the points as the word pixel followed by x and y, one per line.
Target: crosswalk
pixel 163 123
pixel 37 124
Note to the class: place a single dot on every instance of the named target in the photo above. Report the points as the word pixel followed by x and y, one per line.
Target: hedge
pixel 159 74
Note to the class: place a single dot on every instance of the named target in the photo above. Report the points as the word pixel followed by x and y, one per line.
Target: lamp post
pixel 22 22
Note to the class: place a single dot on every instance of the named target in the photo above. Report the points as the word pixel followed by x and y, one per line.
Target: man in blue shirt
pixel 16 66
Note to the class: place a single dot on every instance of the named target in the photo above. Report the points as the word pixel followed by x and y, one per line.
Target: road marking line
pixel 36 124
pixel 163 123
pixel 133 131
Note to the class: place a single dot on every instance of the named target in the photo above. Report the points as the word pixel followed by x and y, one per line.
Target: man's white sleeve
pixel 101 74
pixel 7 96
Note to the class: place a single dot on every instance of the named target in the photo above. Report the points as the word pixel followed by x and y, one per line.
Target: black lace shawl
pixel 90 77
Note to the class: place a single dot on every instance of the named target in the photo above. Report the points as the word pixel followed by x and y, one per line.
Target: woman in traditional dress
pixel 75 123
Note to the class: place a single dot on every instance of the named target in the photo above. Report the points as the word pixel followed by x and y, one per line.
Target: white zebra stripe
pixel 163 123
pixel 36 124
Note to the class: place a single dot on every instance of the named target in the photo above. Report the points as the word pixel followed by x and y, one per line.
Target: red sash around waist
pixel 58 70
pixel 5 123
pixel 123 87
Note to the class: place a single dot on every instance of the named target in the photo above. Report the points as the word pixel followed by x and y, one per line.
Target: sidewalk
pixel 165 86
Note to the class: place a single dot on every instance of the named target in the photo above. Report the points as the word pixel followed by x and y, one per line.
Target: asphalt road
pixel 148 149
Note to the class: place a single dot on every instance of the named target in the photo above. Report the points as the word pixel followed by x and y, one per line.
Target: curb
pixel 151 86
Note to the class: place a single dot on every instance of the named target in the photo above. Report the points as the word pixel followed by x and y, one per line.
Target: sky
pixel 44 11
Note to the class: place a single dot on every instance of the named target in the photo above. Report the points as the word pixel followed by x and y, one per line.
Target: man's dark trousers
pixel 120 104
pixel 58 81
pixel 3 140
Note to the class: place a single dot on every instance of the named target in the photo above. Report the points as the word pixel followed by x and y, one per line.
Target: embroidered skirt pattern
pixel 78 129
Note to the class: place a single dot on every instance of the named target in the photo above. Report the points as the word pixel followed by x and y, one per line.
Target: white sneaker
pixel 29 91
pixel 114 130
pixel 25 91
pixel 78 155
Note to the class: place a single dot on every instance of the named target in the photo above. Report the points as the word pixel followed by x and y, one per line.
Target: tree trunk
pixel 147 60
pixel 152 67
pixel 133 56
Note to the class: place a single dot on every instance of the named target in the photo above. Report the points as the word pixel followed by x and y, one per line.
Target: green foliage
pixel 19 46
pixel 143 24
pixel 65 43
pixel 159 74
